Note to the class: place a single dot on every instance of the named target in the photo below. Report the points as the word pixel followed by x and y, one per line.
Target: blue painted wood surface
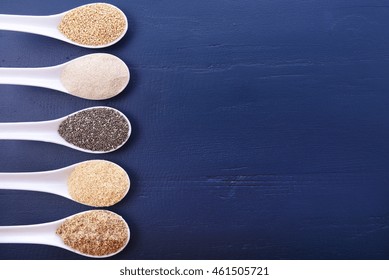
pixel 260 129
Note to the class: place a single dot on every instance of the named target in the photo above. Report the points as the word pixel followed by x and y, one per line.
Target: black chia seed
pixel 98 129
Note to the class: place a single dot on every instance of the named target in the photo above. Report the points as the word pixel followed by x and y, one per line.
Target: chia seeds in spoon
pixel 97 129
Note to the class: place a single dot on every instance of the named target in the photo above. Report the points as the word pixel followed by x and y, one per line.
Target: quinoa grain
pixel 93 25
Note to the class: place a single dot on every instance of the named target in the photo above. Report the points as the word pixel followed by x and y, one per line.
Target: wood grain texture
pixel 260 129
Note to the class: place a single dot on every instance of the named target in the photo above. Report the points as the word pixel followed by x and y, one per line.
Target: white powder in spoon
pixel 95 76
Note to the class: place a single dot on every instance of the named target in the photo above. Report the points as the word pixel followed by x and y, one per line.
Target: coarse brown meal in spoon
pixel 96 232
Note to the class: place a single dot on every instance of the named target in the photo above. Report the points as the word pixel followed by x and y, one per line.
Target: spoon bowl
pixel 47 131
pixel 48 25
pixel 45 234
pixel 103 76
pixel 53 181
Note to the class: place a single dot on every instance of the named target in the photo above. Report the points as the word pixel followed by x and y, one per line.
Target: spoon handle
pixel 48 77
pixel 42 25
pixel 35 131
pixel 30 234
pixel 47 181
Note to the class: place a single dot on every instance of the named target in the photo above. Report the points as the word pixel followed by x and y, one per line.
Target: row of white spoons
pixel 54 181
pixel 50 77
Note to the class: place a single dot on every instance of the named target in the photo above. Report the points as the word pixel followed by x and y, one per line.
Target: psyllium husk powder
pixel 95 77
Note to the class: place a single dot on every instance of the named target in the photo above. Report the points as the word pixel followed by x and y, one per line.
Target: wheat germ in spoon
pixel 94 233
pixel 95 25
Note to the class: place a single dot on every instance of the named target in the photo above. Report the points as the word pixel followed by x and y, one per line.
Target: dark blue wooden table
pixel 260 129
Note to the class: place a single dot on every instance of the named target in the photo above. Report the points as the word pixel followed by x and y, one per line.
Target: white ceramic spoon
pixel 48 26
pixel 45 234
pixel 50 77
pixel 47 131
pixel 53 181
